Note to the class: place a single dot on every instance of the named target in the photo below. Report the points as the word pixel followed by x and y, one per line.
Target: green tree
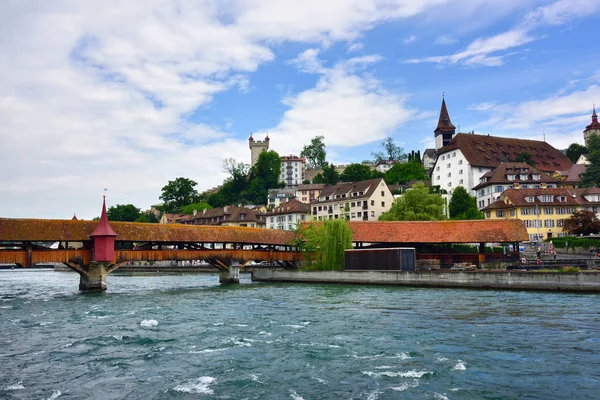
pixel 416 204
pixel 405 172
pixel 582 222
pixel 327 241
pixel 178 193
pixel 315 153
pixel 147 218
pixel 526 158
pixel 199 206
pixel 329 176
pixel 574 151
pixel 264 175
pixel 356 173
pixel 463 206
pixel 591 176
pixel 390 151
pixel 123 212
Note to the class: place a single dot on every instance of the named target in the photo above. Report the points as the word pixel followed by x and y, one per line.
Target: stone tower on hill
pixel 257 147
pixel 593 128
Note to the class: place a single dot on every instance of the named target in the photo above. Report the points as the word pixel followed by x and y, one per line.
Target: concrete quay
pixel 519 280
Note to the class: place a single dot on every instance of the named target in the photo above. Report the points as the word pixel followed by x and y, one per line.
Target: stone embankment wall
pixel 588 281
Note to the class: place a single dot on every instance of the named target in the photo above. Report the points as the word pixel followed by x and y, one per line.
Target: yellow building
pixel 543 210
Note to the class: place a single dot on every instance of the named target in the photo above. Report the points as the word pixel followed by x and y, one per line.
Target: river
pixel 171 337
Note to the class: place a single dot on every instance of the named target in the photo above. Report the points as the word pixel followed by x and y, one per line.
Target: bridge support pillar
pixel 232 275
pixel 95 280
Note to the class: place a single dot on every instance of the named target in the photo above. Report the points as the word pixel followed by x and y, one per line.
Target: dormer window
pixel 546 198
pixel 529 199
pixel 536 177
pixel 523 177
pixel 510 177
pixel 561 198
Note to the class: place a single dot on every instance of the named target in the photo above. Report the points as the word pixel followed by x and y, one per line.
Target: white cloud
pixel 484 50
pixel 347 108
pixel 356 46
pixel 410 39
pixel 98 94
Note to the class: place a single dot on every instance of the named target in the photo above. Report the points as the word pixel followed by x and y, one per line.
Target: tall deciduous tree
pixel 463 206
pixel 264 175
pixel 123 212
pixel 526 158
pixel 574 151
pixel 315 153
pixel 582 222
pixel 178 193
pixel 356 173
pixel 591 176
pixel 390 151
pixel 405 172
pixel 416 204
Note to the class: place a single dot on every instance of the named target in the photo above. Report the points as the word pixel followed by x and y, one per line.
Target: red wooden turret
pixel 104 238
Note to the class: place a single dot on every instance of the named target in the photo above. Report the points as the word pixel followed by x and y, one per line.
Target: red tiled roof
pixel 103 228
pixel 227 214
pixel 290 207
pixel 517 197
pixel 45 230
pixel 444 123
pixel 490 151
pixel 573 174
pixel 499 175
pixel 311 186
pixel 595 124
pixel 472 231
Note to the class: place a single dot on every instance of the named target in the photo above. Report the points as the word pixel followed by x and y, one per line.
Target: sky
pixel 127 96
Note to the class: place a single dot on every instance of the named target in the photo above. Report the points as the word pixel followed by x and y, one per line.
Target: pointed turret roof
pixel 103 228
pixel 74 218
pixel 444 122
pixel 595 124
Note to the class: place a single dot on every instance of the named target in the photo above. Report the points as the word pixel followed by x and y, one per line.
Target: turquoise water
pixel 170 337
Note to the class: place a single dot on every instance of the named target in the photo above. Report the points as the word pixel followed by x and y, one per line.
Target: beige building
pixel 592 129
pixel 360 201
pixel 307 193
pixel 257 147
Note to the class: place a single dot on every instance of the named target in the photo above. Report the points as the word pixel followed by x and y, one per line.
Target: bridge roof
pixel 473 231
pixel 46 230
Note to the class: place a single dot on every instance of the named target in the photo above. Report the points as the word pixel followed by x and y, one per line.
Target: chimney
pixel 204 211
pixel 195 212
pixel 516 185
pixel 543 185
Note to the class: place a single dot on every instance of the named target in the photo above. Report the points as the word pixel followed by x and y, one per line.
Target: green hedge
pixel 575 241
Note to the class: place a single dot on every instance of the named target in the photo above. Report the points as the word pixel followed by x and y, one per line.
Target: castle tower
pixel 593 128
pixel 445 130
pixel 257 147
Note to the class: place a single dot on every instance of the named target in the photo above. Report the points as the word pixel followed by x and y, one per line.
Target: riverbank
pixel 520 280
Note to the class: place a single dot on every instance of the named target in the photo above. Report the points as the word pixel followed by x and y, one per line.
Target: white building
pixel 468 157
pixel 288 215
pixel 292 170
pixel 384 166
pixel 360 201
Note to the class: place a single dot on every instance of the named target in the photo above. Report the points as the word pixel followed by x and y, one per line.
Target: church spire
pixel 444 130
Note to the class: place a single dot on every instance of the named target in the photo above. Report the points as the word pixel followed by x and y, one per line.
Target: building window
pixel 454 154
pixel 548 210
pixel 560 223
pixel 448 166
pixel 499 213
pixel 460 172
pixel 513 213
pixel 372 202
pixel 498 189
pixel 548 223
pixel 488 214
pixel 437 169
pixel 546 198
pixel 460 182
pixel 449 184
pixel 459 162
pixel 449 174
pixel 382 193
pixel 437 177
pixel 383 204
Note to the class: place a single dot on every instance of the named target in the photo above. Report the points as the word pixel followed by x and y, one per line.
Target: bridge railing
pixel 189 255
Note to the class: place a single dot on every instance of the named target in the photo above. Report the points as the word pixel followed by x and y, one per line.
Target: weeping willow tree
pixel 327 242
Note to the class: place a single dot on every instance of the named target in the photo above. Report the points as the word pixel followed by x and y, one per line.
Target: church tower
pixel 593 128
pixel 445 130
pixel 257 147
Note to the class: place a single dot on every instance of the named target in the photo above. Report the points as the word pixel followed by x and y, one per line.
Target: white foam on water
pixel 149 323
pixel 296 326
pixel 295 395
pixel 265 333
pixel 320 380
pixel 455 389
pixel 118 337
pixel 401 356
pixel 6 307
pixel 241 325
pixel 460 366
pixel 365 357
pixel 442 359
pixel 384 367
pixel 200 385
pixel 205 351
pixel 218 324
pixel 405 386
pixel 55 395
pixel 439 396
pixel 374 395
pixel 254 377
pixel 14 386
pixel 46 323
pixel 391 374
